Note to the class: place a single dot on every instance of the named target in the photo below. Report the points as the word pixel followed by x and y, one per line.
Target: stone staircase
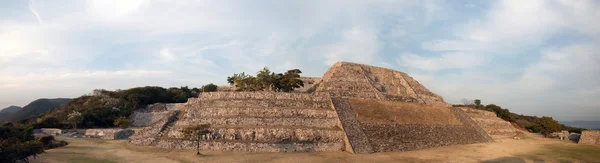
pixel 496 127
pixel 258 122
pixel 348 81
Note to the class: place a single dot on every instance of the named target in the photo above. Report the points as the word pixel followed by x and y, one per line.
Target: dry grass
pixel 506 150
pixel 388 112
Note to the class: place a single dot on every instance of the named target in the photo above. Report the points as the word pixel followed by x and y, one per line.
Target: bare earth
pixel 529 149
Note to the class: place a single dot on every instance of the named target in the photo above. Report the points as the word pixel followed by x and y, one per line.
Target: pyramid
pixel 346 79
pixel 353 107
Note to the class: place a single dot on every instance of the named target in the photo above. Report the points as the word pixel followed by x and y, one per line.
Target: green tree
pixel 209 88
pixel 288 81
pixel 477 103
pixel 548 125
pixel 195 133
pixel 266 79
pixel 122 122
pixel 75 117
pixel 501 113
pixel 237 77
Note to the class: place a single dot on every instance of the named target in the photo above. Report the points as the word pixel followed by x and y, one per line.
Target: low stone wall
pixel 255 121
pixel 48 131
pixel 385 138
pixel 272 135
pixel 263 95
pixel 114 134
pixel 259 112
pixel 251 146
pixel 590 137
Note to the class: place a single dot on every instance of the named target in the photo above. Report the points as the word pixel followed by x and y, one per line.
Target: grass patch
pixel 563 153
pixel 392 112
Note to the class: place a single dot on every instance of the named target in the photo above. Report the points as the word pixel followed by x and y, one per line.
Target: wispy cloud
pixel 34 12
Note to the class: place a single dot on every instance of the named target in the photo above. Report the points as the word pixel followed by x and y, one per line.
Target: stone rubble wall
pixel 358 142
pixel 262 96
pixel 252 121
pixel 262 134
pixel 407 137
pixel 496 127
pixel 590 137
pixel 150 134
pixel 113 134
pixel 251 146
pixel 152 114
pixel 48 131
pixel 280 112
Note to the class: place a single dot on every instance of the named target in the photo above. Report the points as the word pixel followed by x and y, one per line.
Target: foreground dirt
pixel 530 149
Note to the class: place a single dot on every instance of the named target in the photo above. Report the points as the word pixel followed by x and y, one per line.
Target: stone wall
pixel 496 127
pixel 252 121
pixel 590 137
pixel 404 137
pixel 48 131
pixel 114 134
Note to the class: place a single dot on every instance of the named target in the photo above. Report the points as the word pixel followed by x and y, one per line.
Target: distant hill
pixel 6 112
pixel 37 107
pixel 593 125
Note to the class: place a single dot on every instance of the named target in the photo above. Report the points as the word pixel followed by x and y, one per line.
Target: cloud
pixel 443 61
pixel 34 12
pixel 358 44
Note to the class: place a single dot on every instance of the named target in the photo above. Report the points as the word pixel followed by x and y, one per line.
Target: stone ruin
pixel 494 126
pixel 111 133
pixel 48 131
pixel 345 110
pixel 590 137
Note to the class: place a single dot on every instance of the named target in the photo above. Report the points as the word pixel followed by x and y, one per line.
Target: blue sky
pixel 534 57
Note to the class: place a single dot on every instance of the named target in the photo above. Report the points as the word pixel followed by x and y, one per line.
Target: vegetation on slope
pixel 37 107
pixel 103 107
pixel 532 123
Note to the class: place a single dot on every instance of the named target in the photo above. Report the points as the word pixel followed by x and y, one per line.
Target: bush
pixel 209 88
pixel 46 140
pixel 49 142
pixel 122 122
pixel 14 150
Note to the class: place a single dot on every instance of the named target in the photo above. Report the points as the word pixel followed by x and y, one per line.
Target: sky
pixel 533 57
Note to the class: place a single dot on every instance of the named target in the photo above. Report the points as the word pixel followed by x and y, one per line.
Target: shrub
pixel 122 122
pixel 46 140
pixel 209 88
pixel 13 150
pixel 49 142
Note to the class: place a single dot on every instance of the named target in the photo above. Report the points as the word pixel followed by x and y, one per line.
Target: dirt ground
pixel 529 149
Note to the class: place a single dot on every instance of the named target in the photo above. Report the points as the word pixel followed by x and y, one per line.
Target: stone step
pixel 249 146
pixel 268 134
pixel 322 97
pixel 366 94
pixel 260 121
pixel 265 103
pixel 259 112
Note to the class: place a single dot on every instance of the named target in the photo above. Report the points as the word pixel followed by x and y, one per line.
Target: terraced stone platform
pixel 253 121
pixel 353 107
pixel 496 127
